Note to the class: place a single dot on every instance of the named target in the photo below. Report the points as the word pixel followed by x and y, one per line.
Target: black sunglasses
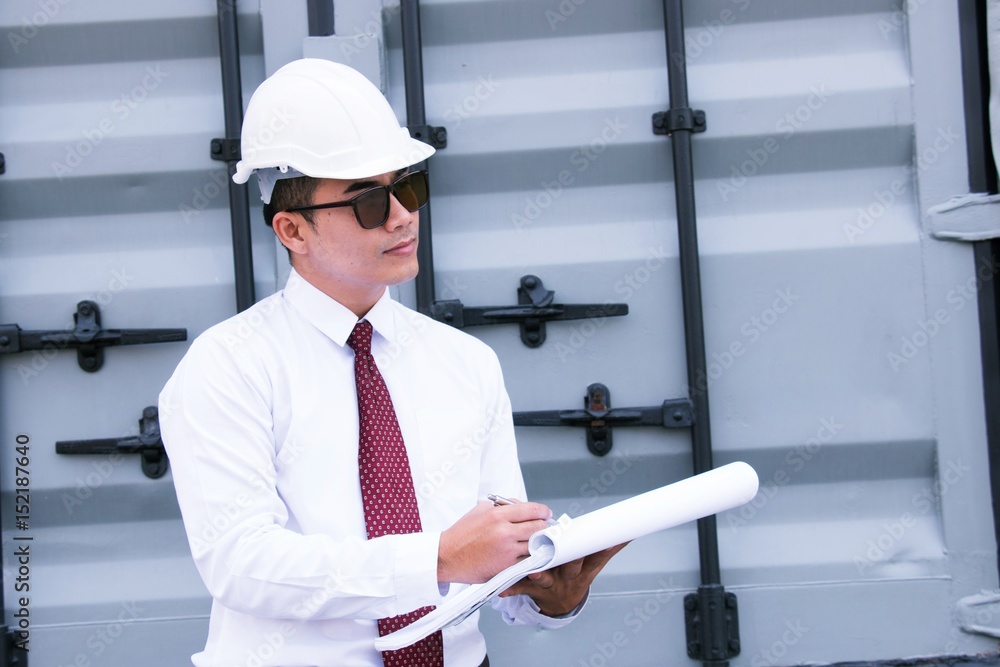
pixel 371 207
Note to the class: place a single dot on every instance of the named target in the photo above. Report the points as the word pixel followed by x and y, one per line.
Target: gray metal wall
pixel 842 340
pixel 106 113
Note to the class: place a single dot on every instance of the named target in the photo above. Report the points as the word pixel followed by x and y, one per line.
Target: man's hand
pixel 558 591
pixel 487 540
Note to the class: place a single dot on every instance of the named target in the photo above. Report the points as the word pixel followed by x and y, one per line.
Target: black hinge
pixel 534 310
pixel 434 135
pixel 711 622
pixel 225 150
pixel 86 337
pixel 667 122
pixel 3 164
pixel 598 417
pixel 147 444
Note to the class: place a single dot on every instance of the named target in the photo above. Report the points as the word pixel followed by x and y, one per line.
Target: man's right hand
pixel 488 539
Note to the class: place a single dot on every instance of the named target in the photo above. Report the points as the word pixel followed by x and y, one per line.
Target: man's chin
pixel 406 274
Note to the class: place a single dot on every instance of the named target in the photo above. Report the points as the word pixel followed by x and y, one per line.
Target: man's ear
pixel 290 230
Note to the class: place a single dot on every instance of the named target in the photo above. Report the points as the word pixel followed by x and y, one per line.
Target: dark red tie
pixel 387 494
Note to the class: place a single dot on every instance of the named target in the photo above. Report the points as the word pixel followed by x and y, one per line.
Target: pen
pixel 500 500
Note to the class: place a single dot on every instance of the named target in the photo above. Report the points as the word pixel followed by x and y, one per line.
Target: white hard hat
pixel 318 118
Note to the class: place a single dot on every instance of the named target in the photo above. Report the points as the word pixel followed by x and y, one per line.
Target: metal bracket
pixel 598 417
pixel 225 150
pixel 666 122
pixel 980 614
pixel 86 337
pixel 434 135
pixel 711 621
pixel 14 647
pixel 147 444
pixel 534 309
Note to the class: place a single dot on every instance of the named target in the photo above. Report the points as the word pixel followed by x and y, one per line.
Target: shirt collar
pixel 335 320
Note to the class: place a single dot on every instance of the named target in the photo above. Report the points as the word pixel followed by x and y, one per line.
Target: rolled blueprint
pixel 709 493
pixel 690 499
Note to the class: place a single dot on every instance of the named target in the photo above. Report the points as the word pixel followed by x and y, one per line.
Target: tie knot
pixel 360 339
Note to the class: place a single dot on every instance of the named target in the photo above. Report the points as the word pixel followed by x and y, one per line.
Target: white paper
pixel 709 493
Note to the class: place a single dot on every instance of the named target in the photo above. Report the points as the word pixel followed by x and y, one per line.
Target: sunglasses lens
pixel 372 208
pixel 411 190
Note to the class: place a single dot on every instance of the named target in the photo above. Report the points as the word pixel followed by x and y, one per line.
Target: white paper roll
pixel 709 493
pixel 693 498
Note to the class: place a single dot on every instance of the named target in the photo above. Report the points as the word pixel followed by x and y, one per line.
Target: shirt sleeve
pixel 522 610
pixel 501 473
pixel 216 424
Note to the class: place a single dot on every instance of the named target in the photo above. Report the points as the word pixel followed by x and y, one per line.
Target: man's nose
pixel 398 215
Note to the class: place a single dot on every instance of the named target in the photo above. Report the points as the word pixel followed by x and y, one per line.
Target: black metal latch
pixel 667 122
pixel 534 310
pixel 434 135
pixel 86 336
pixel 225 150
pixel 711 608
pixel 147 444
pixel 598 417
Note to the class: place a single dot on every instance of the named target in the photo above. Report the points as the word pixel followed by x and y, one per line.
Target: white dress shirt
pixel 260 421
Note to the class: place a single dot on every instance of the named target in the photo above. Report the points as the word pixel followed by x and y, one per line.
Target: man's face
pixel 348 262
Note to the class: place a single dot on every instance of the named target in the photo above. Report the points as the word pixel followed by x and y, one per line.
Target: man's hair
pixel 289 193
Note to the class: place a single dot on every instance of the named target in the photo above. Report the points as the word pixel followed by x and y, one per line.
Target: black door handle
pixel 147 444
pixel 87 337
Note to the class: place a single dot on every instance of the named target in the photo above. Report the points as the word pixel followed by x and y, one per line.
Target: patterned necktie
pixel 387 494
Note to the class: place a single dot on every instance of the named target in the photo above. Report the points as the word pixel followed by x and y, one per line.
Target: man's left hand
pixel 560 590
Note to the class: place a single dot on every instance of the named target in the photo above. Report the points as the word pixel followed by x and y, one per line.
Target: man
pixel 332 492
